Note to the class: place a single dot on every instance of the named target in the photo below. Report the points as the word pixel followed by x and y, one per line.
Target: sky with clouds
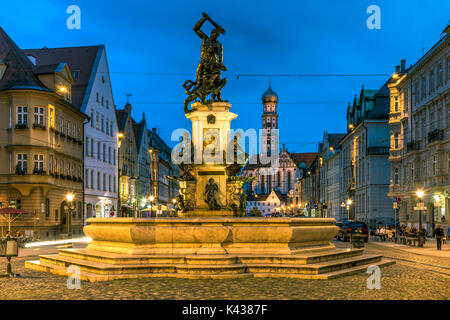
pixel 152 50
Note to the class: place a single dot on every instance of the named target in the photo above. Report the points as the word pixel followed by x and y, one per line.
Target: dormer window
pixel 2 69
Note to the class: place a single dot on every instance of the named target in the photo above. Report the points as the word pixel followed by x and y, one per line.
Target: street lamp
pixel 174 201
pixel 69 197
pixel 349 203
pixel 151 199
pixel 419 194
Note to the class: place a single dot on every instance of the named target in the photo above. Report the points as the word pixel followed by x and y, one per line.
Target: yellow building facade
pixel 41 157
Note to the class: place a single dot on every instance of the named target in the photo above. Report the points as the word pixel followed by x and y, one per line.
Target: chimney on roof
pixel 397 69
pixel 402 63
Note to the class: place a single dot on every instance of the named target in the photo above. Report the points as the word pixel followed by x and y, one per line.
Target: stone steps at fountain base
pixel 207 267
pixel 93 277
pixel 125 259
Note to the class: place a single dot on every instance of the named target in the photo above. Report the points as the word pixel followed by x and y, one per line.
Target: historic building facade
pixel 128 163
pixel 42 145
pixel 144 164
pixel 92 94
pixel 364 153
pixel 164 190
pixel 330 178
pixel 420 137
pixel 282 173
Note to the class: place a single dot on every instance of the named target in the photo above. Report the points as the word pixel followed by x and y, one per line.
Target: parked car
pixel 351 227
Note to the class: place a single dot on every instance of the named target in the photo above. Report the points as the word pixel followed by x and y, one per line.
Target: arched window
pixel 288 181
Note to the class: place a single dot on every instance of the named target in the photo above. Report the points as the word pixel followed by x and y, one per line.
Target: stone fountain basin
pixel 200 235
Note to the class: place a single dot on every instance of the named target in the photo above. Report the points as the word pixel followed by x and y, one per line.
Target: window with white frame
pixel 104 153
pixel 39 115
pixel 92 119
pixel 22 161
pixel 86 178
pixel 50 164
pixel 87 146
pixel 67 128
pixel 396 180
pixel 434 165
pixel 22 115
pixel 38 161
pixel 107 126
pixel 104 181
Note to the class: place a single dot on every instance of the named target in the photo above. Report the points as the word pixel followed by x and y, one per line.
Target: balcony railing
pixel 378 151
pixel 412 146
pixel 435 135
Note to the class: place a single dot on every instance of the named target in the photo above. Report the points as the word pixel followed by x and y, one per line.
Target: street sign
pixel 395 204
pixel 437 204
pixel 418 208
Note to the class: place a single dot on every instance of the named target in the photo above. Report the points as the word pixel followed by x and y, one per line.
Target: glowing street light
pixel 70 197
pixel 419 194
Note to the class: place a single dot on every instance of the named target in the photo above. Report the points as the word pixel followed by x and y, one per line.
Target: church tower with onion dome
pixel 269 118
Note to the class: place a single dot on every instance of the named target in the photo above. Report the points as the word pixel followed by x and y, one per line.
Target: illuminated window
pixel 51 116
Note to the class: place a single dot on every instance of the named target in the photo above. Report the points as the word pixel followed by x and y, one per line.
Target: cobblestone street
pixel 412 277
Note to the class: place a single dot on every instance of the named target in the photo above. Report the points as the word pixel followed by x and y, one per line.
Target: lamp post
pixel 69 197
pixel 120 136
pixel 349 203
pixel 151 199
pixel 174 201
pixel 419 194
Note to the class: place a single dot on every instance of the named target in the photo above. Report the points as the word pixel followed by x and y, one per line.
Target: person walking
pixel 439 233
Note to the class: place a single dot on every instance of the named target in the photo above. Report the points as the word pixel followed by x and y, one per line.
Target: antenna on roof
pixel 128 95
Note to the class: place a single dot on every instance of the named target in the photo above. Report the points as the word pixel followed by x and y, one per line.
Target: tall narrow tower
pixel 269 117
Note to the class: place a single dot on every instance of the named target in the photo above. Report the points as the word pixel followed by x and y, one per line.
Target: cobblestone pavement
pixel 408 279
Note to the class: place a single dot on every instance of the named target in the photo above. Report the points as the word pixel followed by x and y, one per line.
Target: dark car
pixel 351 227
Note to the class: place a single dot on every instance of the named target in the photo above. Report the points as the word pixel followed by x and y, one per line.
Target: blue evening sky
pixel 262 37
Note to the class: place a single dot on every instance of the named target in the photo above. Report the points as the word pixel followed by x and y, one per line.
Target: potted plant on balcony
pixel 38 126
pixel 21 126
pixel 19 170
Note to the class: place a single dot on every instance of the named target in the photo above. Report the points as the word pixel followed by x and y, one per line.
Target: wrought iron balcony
pixel 413 145
pixel 435 135
pixel 377 151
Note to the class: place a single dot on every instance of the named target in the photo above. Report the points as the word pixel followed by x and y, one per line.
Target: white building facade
pixel 364 159
pixel 420 138
pixel 92 95
pixel 101 190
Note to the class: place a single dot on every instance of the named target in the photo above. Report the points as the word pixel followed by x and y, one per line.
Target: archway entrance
pixel 66 218
pixel 88 211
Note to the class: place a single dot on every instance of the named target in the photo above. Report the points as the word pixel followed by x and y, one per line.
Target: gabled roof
pixel 83 60
pixel 334 139
pixel 307 158
pixel 19 71
pixel 381 107
pixel 139 131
